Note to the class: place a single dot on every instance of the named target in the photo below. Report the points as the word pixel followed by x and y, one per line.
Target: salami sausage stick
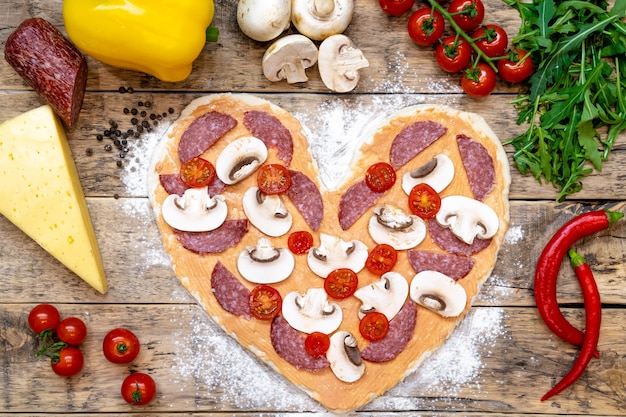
pixel 51 64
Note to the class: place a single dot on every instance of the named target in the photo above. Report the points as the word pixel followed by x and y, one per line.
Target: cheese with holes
pixel 41 194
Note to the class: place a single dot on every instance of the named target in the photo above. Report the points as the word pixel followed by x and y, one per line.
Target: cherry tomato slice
pixel 44 317
pixel 396 7
pixel 300 242
pixel 138 388
pixel 67 362
pixel 265 302
pixel 120 346
pixel 197 172
pixel 317 344
pixel 381 259
pixel 273 179
pixel 374 326
pixel 380 177
pixel 424 201
pixel 72 331
pixel 341 283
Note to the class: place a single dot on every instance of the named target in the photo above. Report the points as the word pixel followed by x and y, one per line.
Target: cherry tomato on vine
pixel 72 331
pixel 380 177
pixel 316 344
pixel 424 201
pixel 265 302
pixel 452 54
pixel 396 7
pixel 197 172
pixel 492 40
pixel 341 283
pixel 273 179
pixel 138 388
pixel 374 326
pixel 516 68
pixel 44 317
pixel 67 362
pixel 426 26
pixel 479 82
pixel 120 346
pixel 381 259
pixel 468 14
pixel 300 242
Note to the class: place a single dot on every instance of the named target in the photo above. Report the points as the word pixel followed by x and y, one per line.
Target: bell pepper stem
pixel 212 34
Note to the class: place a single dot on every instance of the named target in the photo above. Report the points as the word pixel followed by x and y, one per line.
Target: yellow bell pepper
pixel 159 37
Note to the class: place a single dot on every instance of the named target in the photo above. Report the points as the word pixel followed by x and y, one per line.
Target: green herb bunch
pixel 575 106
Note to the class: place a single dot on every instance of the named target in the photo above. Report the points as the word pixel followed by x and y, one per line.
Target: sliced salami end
pixel 271 131
pixel 226 236
pixel 289 344
pixel 412 140
pixel 478 166
pixel 355 202
pixel 307 198
pixel 230 293
pixel 50 64
pixel 203 132
pixel 445 239
pixel 400 332
pixel 453 265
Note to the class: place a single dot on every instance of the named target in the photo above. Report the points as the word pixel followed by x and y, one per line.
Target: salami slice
pixel 445 239
pixel 271 131
pixel 202 133
pixel 307 198
pixel 230 293
pixel 172 184
pixel 289 344
pixel 355 202
pixel 226 236
pixel 412 140
pixel 453 265
pixel 400 333
pixel 478 166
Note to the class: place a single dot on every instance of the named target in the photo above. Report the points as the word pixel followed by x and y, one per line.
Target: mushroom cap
pixel 263 20
pixel 319 19
pixel 288 58
pixel 334 253
pixel 194 211
pixel 387 295
pixel 389 224
pixel 239 159
pixel 467 218
pixel 438 173
pixel 265 264
pixel 439 293
pixel 312 312
pixel 266 212
pixel 344 357
pixel 339 62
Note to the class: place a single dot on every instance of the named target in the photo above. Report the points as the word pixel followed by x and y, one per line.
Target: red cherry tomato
pixel 138 388
pixel 479 82
pixel 381 259
pixel 424 201
pixel 452 54
pixel 72 331
pixel 120 346
pixel 380 177
pixel 265 302
pixel 197 172
pixel 273 179
pixel 492 40
pixel 44 317
pixel 300 242
pixel 396 7
pixel 516 68
pixel 317 344
pixel 67 362
pixel 341 283
pixel 426 26
pixel 468 14
pixel 374 326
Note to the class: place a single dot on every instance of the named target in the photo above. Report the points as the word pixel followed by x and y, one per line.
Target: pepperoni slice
pixel 355 202
pixel 307 198
pixel 290 345
pixel 230 293
pixel 453 265
pixel 226 236
pixel 271 131
pixel 412 140
pixel 203 132
pixel 445 239
pixel 478 166
pixel 400 332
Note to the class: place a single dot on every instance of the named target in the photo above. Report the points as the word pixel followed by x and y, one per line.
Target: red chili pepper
pixel 549 264
pixel 593 316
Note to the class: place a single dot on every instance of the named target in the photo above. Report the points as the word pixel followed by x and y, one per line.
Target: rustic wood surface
pixel 499 362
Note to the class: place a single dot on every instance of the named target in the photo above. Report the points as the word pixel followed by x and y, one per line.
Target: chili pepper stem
pixel 613 216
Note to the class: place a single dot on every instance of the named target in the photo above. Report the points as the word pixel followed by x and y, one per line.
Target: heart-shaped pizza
pixel 343 292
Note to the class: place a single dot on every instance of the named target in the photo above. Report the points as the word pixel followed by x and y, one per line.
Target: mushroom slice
pixel 194 211
pixel 390 225
pixel 467 218
pixel 439 293
pixel 288 58
pixel 386 295
pixel 344 357
pixel 438 173
pixel 265 264
pixel 240 159
pixel 319 19
pixel 266 212
pixel 334 253
pixel 263 20
pixel 312 312
pixel 339 62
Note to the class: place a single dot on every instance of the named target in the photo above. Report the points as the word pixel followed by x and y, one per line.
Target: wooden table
pixel 499 362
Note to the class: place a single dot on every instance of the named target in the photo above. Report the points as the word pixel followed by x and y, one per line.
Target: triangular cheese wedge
pixel 41 194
